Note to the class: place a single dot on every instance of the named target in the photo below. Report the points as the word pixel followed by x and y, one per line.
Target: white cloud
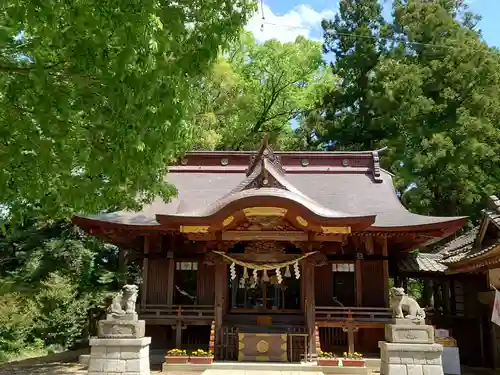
pixel 301 20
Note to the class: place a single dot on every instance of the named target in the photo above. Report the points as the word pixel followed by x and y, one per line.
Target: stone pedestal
pixel 120 348
pixel 121 328
pixel 410 349
pixel 119 356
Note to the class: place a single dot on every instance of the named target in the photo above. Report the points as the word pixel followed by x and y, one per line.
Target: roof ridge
pixel 265 152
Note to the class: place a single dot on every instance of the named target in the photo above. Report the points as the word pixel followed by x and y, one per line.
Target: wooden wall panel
pixel 205 291
pixel 323 285
pixel 157 282
pixel 161 337
pixel 372 283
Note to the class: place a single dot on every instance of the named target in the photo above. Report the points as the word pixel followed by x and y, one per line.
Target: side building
pixel 459 282
pixel 294 246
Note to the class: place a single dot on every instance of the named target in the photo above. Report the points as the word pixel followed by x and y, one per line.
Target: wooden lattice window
pixel 343 267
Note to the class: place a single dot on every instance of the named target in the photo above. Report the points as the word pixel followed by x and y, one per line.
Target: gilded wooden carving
pixel 336 230
pixel 264 211
pixel 263 223
pixel 301 221
pixel 194 228
pixel 228 220
pixel 264 247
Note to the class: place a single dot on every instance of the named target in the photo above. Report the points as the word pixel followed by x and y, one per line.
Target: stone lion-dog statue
pixel 124 301
pixel 402 304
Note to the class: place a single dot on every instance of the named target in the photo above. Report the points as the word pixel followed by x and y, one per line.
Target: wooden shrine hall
pixel 287 248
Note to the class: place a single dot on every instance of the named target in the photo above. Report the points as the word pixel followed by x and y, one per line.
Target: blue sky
pixel 286 19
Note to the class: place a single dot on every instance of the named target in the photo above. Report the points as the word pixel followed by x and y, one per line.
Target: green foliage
pixel 54 283
pixel 258 88
pixel 427 86
pixel 61 311
pixel 355 38
pixel 16 322
pixel 450 134
pixel 96 97
pixel 415 287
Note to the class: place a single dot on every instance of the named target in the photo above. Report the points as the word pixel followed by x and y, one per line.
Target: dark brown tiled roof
pixel 465 247
pixel 421 262
pixel 458 248
pixel 338 182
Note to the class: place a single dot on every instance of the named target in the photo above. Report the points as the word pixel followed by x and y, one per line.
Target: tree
pixel 347 117
pixel 95 97
pixel 438 89
pixel 426 86
pixel 55 281
pixel 259 88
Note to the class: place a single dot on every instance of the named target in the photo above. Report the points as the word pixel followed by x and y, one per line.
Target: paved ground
pixel 241 372
pixel 77 369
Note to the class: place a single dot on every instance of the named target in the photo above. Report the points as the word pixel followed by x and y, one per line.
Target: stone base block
pixel 124 316
pixel 410 359
pixel 119 356
pixel 133 329
pixel 407 321
pixel 409 333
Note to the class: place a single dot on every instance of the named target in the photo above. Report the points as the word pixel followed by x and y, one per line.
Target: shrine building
pixel 294 246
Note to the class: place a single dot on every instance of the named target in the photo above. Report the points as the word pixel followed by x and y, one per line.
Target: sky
pixel 286 19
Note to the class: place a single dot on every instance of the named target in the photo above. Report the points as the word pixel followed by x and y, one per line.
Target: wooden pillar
pixel 453 302
pixel 309 303
pixel 122 265
pixel 359 280
pixel 351 330
pixel 385 266
pixel 431 295
pixel 170 271
pixel 178 335
pixel 427 293
pixel 145 265
pixel 220 281
pixel 438 301
pixel 170 280
pixel 397 281
pixel 446 297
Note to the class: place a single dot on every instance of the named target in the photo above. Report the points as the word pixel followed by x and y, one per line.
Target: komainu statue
pixel 402 304
pixel 124 302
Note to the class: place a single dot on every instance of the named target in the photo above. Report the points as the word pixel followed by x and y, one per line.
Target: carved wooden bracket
pixel 211 259
pixel 308 246
pixel 351 328
pixel 317 259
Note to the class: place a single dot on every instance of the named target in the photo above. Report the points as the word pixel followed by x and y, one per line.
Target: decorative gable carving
pixel 265 223
pixel 265 247
pixel 264 180
pixel 265 153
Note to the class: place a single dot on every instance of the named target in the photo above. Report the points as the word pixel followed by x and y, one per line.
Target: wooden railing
pixel 357 314
pixel 176 311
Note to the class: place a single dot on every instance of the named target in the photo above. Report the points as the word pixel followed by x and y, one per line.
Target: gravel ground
pixel 50 369
pixel 43 369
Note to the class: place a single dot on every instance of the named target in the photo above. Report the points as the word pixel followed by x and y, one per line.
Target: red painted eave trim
pixel 451 225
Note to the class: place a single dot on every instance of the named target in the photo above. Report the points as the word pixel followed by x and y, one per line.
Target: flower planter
pixel 328 362
pixel 353 362
pixel 176 360
pixel 201 360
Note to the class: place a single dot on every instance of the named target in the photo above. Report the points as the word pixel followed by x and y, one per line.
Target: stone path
pixel 77 369
pixel 256 372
